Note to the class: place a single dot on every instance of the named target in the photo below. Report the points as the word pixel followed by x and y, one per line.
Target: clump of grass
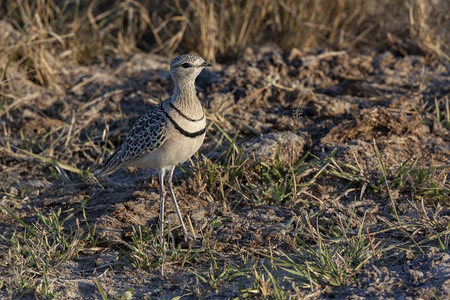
pixel 332 261
pixel 426 183
pixel 30 264
pixel 233 177
pixel 218 276
pixel 146 250
pixel 265 285
pixel 279 182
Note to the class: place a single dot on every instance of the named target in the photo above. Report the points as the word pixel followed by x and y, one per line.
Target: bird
pixel 167 135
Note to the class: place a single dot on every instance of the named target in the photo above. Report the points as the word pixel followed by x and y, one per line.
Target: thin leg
pixel 186 235
pixel 162 195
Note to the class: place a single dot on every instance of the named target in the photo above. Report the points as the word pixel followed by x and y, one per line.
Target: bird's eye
pixel 186 65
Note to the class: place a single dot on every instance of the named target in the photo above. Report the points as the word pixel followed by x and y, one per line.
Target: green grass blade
pixel 27 227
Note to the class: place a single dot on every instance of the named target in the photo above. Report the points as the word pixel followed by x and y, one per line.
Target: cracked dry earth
pixel 297 102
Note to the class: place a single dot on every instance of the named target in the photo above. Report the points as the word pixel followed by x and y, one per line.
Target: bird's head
pixel 185 68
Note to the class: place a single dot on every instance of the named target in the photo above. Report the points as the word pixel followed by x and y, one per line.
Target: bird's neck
pixel 185 98
pixel 185 87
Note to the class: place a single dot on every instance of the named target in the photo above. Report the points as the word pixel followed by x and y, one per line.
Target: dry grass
pixel 42 38
pixel 40 32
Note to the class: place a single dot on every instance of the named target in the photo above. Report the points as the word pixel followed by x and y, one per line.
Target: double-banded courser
pixel 168 134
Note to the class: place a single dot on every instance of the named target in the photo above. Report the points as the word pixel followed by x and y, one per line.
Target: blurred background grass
pixel 36 36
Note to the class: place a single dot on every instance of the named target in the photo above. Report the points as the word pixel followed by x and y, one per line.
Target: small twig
pixel 371 243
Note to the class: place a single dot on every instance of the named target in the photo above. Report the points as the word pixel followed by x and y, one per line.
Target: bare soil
pixel 297 102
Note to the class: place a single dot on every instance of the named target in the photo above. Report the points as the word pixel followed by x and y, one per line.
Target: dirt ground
pixel 340 104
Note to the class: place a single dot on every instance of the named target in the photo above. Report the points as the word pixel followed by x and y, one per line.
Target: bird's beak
pixel 206 64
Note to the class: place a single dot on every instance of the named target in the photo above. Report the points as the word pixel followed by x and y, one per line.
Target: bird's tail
pixel 108 166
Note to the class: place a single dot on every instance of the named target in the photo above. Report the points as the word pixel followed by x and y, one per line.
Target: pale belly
pixel 177 149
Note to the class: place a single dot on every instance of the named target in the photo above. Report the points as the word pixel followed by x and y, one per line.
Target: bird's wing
pixel 146 135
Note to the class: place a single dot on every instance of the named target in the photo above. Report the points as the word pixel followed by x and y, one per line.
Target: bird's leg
pixel 162 195
pixel 169 180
